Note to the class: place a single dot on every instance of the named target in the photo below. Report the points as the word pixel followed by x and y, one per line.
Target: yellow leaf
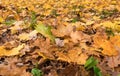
pixel 14 29
pixel 1 19
pixel 28 36
pixel 45 54
pixel 12 52
pixel 24 36
pixel 112 25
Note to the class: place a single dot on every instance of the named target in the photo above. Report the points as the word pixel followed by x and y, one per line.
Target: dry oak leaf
pixel 13 70
pixel 114 61
pixel 45 50
pixel 106 45
pixel 79 36
pixel 14 51
pixel 75 56
pixel 62 30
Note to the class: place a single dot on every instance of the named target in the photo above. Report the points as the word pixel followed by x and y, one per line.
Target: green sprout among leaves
pixel 109 32
pixel 91 63
pixel 33 20
pixel 108 13
pixel 74 20
pixel 36 72
pixel 9 22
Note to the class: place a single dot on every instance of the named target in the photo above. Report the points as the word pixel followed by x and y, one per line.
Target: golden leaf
pixel 14 51
pixel 45 54
pixel 113 25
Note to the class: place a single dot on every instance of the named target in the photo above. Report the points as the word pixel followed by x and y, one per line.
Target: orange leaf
pixel 74 55
pixel 106 45
pixel 115 40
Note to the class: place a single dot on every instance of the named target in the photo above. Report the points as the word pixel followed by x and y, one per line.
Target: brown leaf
pixel 44 50
pixel 62 30
pixel 11 69
pixel 113 61
pixel 79 36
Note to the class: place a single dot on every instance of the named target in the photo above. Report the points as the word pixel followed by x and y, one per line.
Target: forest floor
pixel 59 38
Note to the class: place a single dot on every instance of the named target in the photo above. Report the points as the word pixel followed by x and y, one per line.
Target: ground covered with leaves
pixel 59 38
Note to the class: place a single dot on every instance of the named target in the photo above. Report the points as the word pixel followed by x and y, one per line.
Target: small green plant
pixel 118 75
pixel 9 22
pixel 109 32
pixel 74 20
pixel 36 72
pixel 108 13
pixel 97 71
pixel 54 13
pixel 91 64
pixel 33 20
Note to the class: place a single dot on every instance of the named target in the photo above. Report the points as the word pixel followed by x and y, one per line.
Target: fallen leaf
pixel 45 50
pixel 12 69
pixel 100 41
pixel 59 42
pixel 115 40
pixel 18 23
pixel 75 56
pixel 113 61
pixel 113 25
pixel 1 19
pixel 79 36
pixel 45 31
pixel 28 36
pixel 12 52
pixel 15 29
pixel 62 30
pixel 24 36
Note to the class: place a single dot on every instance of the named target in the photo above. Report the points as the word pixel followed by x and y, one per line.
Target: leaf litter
pixel 59 38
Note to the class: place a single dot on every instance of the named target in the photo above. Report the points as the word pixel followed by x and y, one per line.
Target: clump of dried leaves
pixel 58 36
